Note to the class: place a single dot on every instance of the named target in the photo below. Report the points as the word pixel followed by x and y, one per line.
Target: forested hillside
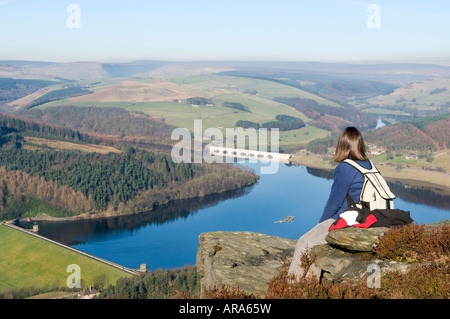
pixel 65 93
pixel 14 89
pixel 330 118
pixel 116 122
pixel 424 134
pixel 72 182
pixel 14 124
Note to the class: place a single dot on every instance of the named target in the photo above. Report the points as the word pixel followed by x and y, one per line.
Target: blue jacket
pixel 347 179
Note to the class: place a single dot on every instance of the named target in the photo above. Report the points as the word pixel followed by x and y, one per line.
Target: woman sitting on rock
pixel 347 180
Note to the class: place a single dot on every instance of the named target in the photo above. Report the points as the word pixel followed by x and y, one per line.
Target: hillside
pixel 231 99
pixel 395 73
pixel 339 86
pixel 333 119
pixel 68 181
pixel 114 124
pixel 326 97
pixel 88 140
pixel 89 71
pixel 30 265
pixel 415 153
pixel 419 98
pixel 15 89
pixel 425 134
pixel 70 71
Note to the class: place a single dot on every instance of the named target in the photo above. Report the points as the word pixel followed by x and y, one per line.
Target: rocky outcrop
pixel 248 260
pixel 356 239
pixel 341 260
pixel 340 265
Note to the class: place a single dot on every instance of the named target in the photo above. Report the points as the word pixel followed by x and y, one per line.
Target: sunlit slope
pixel 27 261
pixel 266 89
pixel 166 98
pixel 420 97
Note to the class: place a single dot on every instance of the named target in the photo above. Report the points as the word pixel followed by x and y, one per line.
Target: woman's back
pixel 347 180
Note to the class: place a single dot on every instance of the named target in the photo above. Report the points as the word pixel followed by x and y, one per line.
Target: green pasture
pixel 219 89
pixel 418 95
pixel 27 261
pixel 255 94
pixel 265 89
pixel 290 141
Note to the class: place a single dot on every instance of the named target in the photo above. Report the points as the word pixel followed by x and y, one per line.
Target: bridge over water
pixel 249 154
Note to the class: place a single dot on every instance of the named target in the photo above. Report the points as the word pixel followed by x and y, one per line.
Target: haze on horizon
pixel 200 30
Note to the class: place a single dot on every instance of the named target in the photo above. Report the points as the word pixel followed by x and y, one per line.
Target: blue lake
pixel 168 236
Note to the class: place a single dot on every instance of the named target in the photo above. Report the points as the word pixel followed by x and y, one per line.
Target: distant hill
pixel 87 71
pixel 114 122
pixel 329 118
pixel 128 69
pixel 393 73
pixel 177 70
pixel 14 89
pixel 425 134
pixel 419 98
pixel 326 97
pixel 61 181
pixel 71 71
pixel 335 86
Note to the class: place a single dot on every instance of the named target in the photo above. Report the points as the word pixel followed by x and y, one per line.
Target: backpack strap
pixel 350 201
pixel 362 206
pixel 362 169
pixel 375 178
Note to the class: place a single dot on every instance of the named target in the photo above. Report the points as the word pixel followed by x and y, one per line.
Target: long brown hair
pixel 350 145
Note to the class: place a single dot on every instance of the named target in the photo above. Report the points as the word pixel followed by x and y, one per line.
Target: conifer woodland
pixel 72 182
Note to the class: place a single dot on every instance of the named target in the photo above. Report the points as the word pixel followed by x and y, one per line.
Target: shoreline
pixel 115 214
pixel 312 161
pixel 406 175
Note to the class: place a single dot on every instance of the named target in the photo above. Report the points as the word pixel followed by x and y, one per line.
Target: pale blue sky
pixel 282 30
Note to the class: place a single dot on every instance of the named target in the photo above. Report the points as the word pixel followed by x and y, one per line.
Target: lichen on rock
pixel 250 260
pixel 356 239
pixel 245 259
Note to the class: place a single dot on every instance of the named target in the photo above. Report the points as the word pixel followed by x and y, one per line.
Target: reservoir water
pixel 168 236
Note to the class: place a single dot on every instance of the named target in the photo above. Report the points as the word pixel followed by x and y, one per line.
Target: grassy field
pixel 426 95
pixel 183 115
pixel 266 89
pixel 27 261
pixel 420 91
pixel 150 96
pixel 63 145
pixel 291 140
